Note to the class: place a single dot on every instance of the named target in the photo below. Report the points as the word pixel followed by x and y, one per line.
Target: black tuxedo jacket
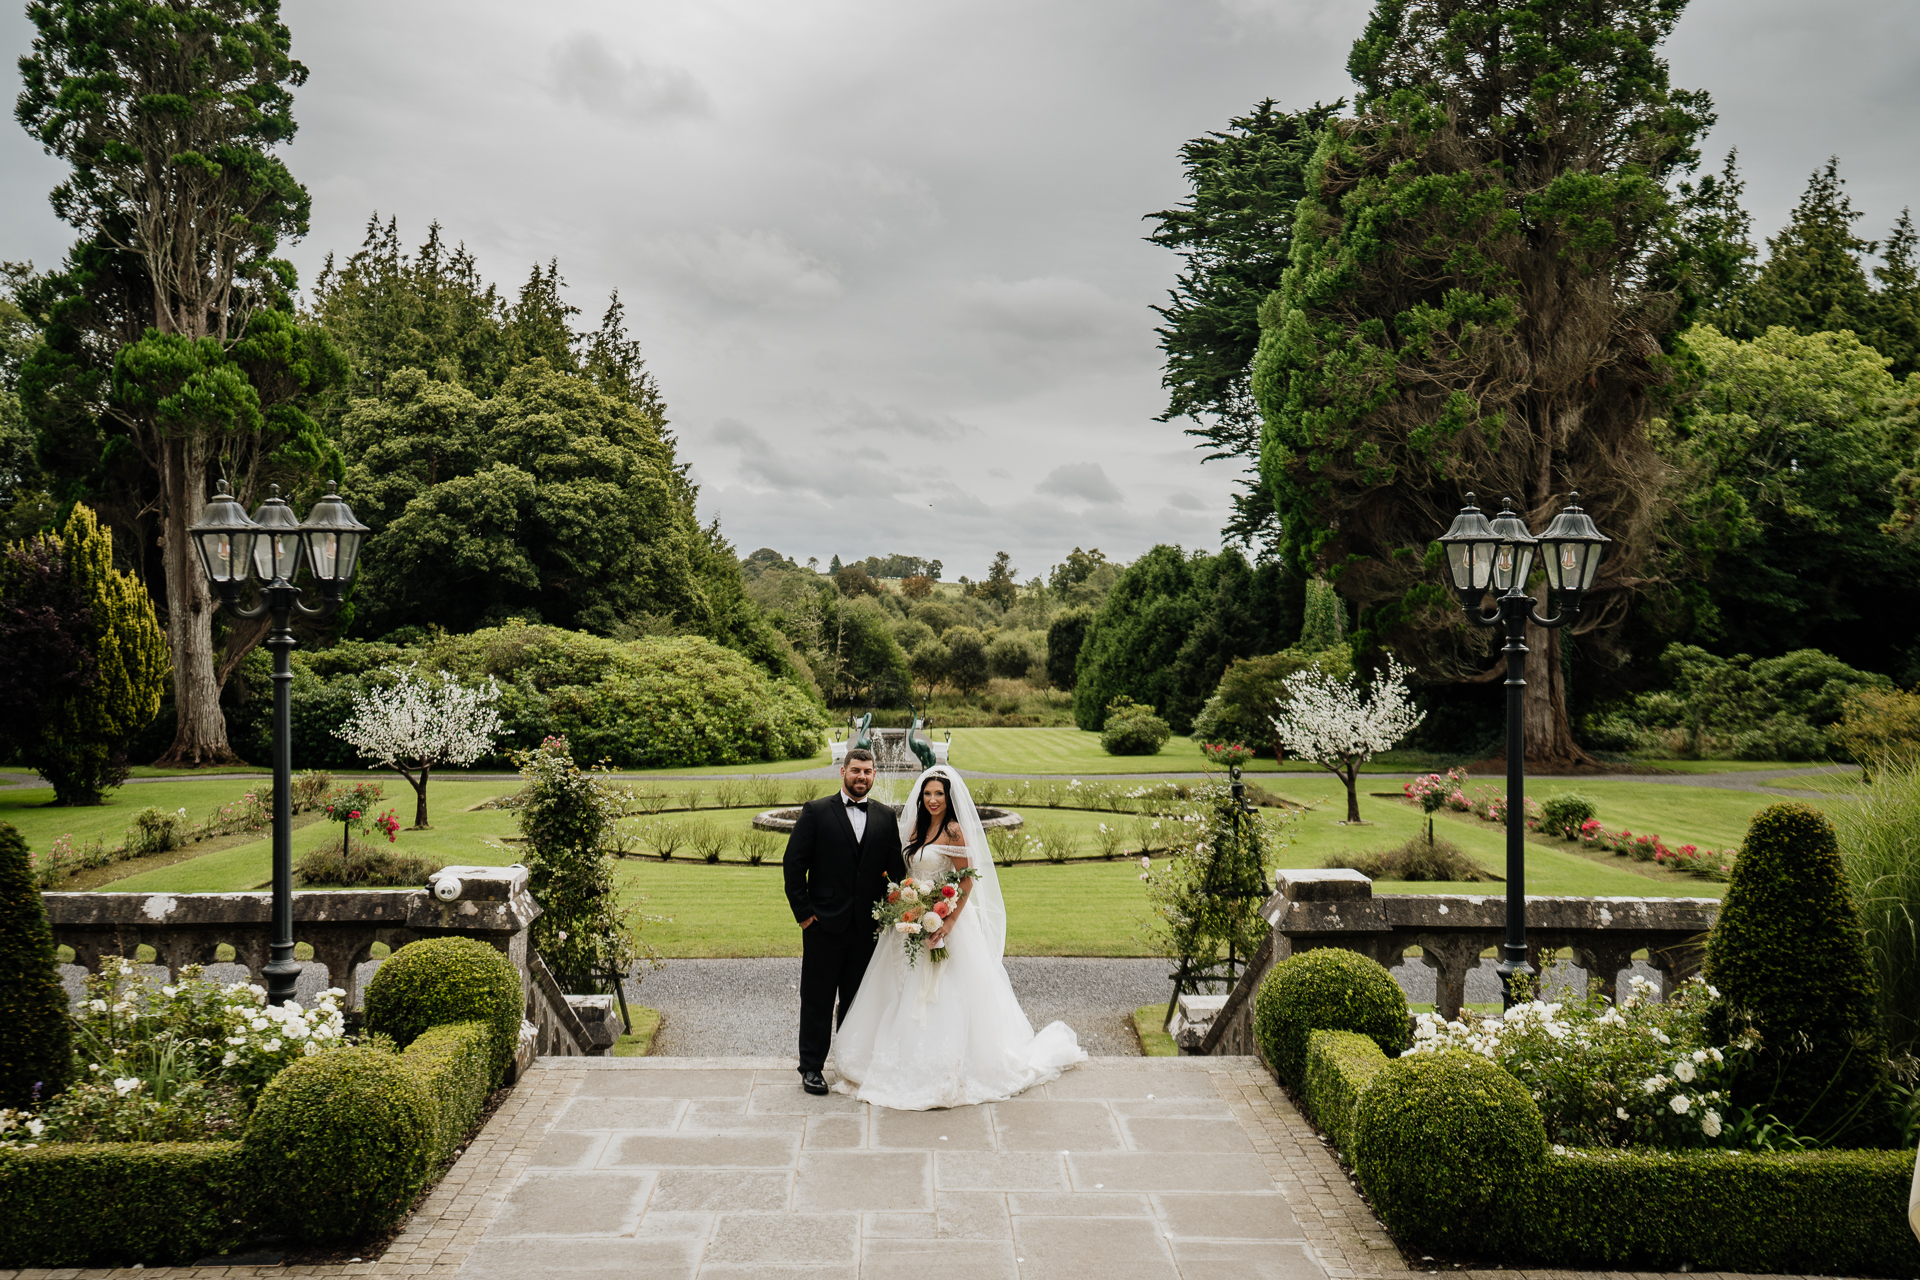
pixel 831 876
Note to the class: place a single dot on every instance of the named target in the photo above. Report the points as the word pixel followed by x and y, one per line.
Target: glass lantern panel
pixel 323 553
pixel 276 555
pixel 349 557
pixel 1592 567
pixel 1482 565
pixel 1460 564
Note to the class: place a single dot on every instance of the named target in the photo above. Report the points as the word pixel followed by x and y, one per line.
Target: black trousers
pixel 830 966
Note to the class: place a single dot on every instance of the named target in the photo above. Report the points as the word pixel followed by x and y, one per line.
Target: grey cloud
pixel 583 69
pixel 760 268
pixel 1184 501
pixel 1086 481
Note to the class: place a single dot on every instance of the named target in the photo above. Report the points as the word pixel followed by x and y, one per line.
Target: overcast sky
pixel 885 258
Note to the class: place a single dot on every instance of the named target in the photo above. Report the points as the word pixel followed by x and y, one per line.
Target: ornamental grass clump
pixel 1791 963
pixel 1329 989
pixel 1882 858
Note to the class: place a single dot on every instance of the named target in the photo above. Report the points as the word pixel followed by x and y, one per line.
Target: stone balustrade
pixel 342 926
pixel 1338 908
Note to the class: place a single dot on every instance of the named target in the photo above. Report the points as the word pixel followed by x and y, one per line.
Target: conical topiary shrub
pixel 1788 957
pixel 36 1053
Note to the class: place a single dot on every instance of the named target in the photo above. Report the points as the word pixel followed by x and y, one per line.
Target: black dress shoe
pixel 813 1082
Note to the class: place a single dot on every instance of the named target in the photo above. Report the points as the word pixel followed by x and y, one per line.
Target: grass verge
pixel 1154 1040
pixel 638 1043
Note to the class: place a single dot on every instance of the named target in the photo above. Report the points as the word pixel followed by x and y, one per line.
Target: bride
pixel 947 1034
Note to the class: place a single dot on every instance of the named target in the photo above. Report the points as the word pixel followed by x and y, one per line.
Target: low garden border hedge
pixel 77 1203
pixel 1806 1213
pixel 312 1163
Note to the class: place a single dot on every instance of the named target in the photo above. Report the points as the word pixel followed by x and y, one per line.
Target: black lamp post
pixel 1497 556
pixel 270 548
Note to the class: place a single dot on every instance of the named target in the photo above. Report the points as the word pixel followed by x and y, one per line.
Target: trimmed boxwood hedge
pixel 1328 989
pixel 1835 1213
pixel 350 1136
pixel 1812 1213
pixel 1448 1147
pixel 71 1204
pixel 436 981
pixel 36 1051
pixel 1340 1066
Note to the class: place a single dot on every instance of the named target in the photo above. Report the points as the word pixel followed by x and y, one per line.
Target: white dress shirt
pixel 857 817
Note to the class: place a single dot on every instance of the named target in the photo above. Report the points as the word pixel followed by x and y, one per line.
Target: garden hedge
pixel 1811 1213
pixel 441 980
pixel 1787 952
pixel 1340 1066
pixel 350 1136
pixel 36 1052
pixel 71 1204
pixel 1329 989
pixel 1801 1213
pixel 1447 1146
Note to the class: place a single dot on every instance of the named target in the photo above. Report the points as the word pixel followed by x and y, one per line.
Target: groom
pixel 842 852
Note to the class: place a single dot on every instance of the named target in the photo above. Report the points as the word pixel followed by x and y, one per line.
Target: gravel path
pixel 751 1008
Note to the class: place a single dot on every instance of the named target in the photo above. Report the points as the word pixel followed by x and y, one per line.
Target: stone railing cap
pixel 1323 884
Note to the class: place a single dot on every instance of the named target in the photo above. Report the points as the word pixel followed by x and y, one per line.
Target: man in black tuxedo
pixel 839 858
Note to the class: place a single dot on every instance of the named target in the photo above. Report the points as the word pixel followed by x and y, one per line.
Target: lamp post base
pixel 1513 967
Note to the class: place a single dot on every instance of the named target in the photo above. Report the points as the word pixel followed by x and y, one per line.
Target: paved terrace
pixel 645 1168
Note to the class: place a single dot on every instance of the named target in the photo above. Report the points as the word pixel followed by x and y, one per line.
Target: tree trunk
pixel 1352 778
pixel 420 798
pixel 200 735
pixel 1550 741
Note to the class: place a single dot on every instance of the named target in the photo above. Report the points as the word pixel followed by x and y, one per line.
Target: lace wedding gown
pixel 948 1034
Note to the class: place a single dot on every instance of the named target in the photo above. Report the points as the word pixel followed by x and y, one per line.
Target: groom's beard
pixel 858 787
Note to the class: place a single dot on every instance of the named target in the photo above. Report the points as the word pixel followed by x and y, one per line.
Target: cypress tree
pixel 35 1050
pixel 83 736
pixel 1813 279
pixel 1788 958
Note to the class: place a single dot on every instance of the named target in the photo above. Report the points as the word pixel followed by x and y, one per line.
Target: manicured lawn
pixel 1069 751
pixel 456 837
pixel 820 761
pixel 1722 766
pixel 32 812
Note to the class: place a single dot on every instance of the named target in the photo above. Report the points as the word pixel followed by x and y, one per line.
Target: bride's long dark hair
pixel 923 821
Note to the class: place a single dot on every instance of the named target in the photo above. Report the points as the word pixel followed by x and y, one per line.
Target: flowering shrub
pixel 181 1062
pixel 1639 1073
pixel 1434 792
pixel 1228 755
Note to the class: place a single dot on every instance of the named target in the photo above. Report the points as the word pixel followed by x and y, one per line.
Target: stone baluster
pixel 1450 958
pixel 1603 960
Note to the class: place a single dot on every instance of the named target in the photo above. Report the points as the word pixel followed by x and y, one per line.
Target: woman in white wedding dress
pixel 949 1034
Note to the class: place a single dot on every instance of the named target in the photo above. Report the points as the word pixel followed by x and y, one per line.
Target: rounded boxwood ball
pixel 440 980
pixel 344 1138
pixel 1326 990
pixel 1447 1146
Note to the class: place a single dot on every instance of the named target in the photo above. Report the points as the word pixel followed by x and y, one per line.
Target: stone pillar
pixel 1450 958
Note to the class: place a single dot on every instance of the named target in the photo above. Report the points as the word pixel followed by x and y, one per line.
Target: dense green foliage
pixel 347 1136
pixel 36 1053
pixel 1562 815
pixel 1445 1145
pixel 1326 989
pixel 647 702
pixel 1206 894
pixel 1786 456
pixel 437 981
pixel 1066 635
pixel 168 335
pixel 1789 961
pixel 1132 730
pixel 1233 234
pixel 1783 1213
pixel 75 1204
pixel 1173 623
pixel 82 721
pixel 1472 214
pixel 1877 846
pixel 1252 692
pixel 566 813
pixel 1340 1066
pixel 1784 708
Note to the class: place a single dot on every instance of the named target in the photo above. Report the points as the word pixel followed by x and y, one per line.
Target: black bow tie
pixel 861 805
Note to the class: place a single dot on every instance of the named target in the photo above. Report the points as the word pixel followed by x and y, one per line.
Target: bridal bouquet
pixel 908 904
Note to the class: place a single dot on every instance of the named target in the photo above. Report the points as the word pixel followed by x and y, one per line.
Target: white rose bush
pixel 179 1062
pixel 1639 1073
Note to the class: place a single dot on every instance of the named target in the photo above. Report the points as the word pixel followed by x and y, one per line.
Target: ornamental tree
pixel 170 115
pixel 1340 726
pixel 416 723
pixel 1483 284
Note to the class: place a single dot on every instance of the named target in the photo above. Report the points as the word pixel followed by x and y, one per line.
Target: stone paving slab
pixel 585 1171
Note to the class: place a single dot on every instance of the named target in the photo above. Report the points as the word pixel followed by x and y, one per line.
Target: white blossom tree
pixel 1339 726
pixel 417 723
